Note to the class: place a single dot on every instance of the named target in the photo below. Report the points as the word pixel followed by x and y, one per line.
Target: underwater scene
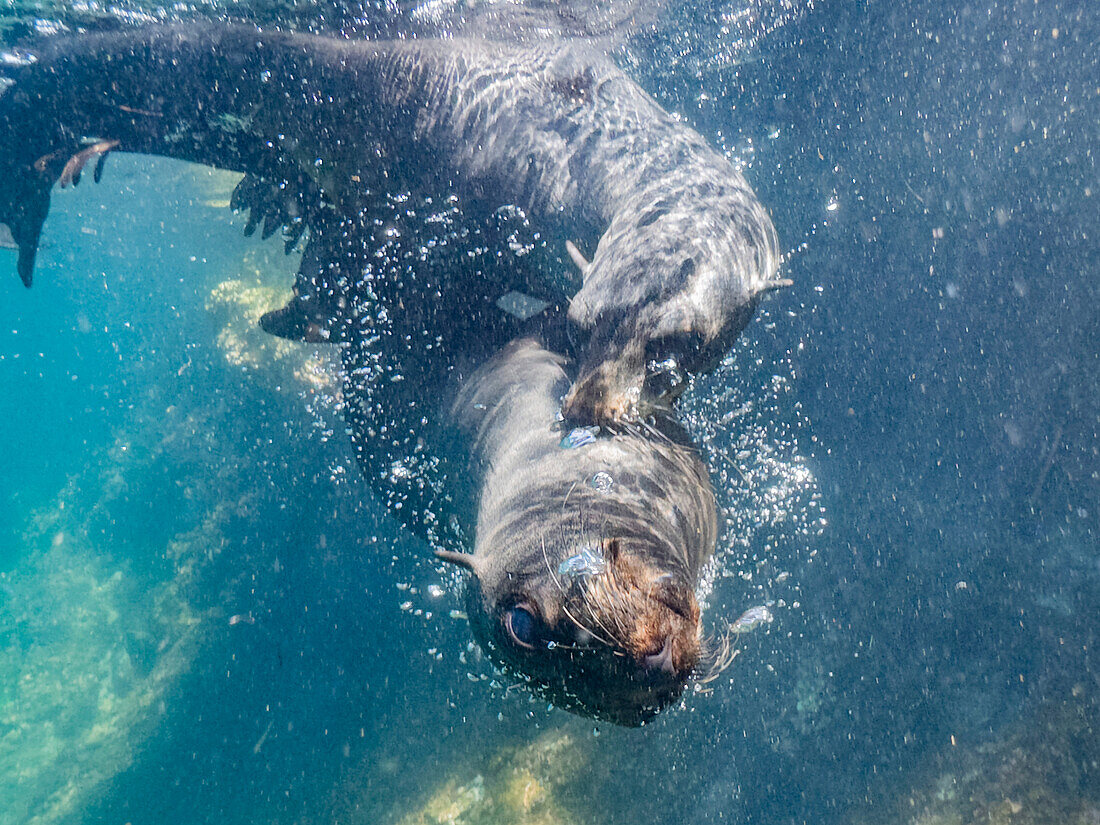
pixel 231 591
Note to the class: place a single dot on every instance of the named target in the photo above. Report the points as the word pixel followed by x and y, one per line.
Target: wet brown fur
pixel 629 603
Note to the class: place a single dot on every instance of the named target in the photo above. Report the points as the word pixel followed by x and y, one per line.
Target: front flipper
pixel 25 197
pixel 74 167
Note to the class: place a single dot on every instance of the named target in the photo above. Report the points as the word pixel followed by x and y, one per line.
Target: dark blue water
pixel 205 616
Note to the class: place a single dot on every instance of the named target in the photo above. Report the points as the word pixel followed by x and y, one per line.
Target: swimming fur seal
pixel 681 250
pixel 588 547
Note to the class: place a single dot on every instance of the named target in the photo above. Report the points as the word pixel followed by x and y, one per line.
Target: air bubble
pixel 602 482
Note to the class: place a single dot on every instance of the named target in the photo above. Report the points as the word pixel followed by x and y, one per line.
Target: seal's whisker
pixel 563 520
pixel 629 428
pixel 608 596
pixel 595 616
pixel 561 529
pixel 549 568
pixel 655 432
pixel 584 525
pixel 568 493
pixel 565 596
pixel 617 632
pixel 608 642
pixel 732 466
pixel 719 651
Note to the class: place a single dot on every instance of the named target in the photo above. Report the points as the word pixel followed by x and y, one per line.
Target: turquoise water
pixel 205 616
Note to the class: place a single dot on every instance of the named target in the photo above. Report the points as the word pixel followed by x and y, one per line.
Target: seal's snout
pixel 606 391
pixel 653 616
pixel 667 645
pixel 660 663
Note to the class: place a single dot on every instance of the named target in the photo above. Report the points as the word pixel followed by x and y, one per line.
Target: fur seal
pixel 588 547
pixel 681 250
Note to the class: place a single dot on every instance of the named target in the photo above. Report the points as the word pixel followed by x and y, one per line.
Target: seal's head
pixel 672 283
pixel 588 547
pixel 598 629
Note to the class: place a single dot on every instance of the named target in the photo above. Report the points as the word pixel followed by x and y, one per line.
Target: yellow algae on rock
pixel 524 791
pixel 236 305
pixel 452 801
pixel 522 786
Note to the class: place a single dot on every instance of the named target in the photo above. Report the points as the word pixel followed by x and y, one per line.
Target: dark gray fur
pixel 680 247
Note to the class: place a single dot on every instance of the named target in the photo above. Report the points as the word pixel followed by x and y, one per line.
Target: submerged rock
pixel 236 305
pixel 1039 770
pixel 111 601
pixel 520 786
pixel 92 652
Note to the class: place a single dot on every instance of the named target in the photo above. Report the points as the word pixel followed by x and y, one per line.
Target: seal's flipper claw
pixel 575 255
pixel 293 234
pixel 70 174
pixel 777 283
pixel 238 198
pixel 271 225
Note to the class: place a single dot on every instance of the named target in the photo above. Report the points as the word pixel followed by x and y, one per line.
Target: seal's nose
pixel 660 662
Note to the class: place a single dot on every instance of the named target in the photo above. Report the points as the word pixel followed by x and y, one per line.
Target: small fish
pixel 579 437
pixel 585 563
pixel 752 618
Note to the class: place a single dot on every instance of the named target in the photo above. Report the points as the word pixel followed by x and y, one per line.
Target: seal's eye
pixel 522 626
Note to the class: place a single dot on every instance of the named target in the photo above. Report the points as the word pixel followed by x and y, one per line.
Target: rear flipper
pixel 294 323
pixel 284 199
pixel 280 197
pixel 328 288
